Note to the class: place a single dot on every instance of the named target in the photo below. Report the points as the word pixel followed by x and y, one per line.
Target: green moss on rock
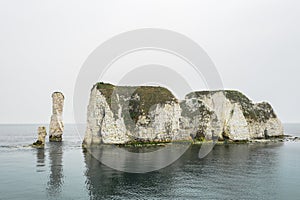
pixel 138 100
pixel 260 112
pixel 106 90
pixel 245 103
pixel 144 97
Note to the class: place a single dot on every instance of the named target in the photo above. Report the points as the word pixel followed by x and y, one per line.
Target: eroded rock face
pixel 128 114
pixel 238 118
pixel 41 136
pixel 118 115
pixel 56 123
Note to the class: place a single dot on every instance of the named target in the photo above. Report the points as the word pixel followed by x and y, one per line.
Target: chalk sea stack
pixel 41 137
pixel 56 123
pixel 127 114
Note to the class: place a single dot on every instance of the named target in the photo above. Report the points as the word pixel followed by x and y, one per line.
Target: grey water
pixel 65 171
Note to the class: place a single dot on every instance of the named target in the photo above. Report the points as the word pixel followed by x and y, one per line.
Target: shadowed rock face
pixel 56 123
pixel 118 115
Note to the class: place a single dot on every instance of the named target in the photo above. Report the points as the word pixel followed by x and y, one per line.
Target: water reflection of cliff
pixel 55 181
pixel 227 169
pixel 103 182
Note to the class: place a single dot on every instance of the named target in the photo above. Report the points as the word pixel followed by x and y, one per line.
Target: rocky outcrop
pixel 129 114
pixel 56 123
pixel 41 137
pixel 118 115
pixel 235 116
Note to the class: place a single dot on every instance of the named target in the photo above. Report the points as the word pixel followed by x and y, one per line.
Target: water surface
pixel 65 171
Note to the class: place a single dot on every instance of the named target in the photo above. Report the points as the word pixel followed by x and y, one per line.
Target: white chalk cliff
pixel 118 115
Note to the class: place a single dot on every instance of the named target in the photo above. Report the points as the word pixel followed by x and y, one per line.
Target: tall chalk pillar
pixel 56 123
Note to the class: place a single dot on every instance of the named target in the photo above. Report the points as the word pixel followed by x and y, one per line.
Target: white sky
pixel 255 46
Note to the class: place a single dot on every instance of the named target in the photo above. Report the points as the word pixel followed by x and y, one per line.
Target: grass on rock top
pixel 260 112
pixel 141 98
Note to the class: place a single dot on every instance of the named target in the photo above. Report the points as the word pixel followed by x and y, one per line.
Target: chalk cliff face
pixel 118 115
pixel 237 117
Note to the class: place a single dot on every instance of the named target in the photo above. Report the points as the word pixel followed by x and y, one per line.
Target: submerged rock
pixel 41 137
pixel 146 114
pixel 56 123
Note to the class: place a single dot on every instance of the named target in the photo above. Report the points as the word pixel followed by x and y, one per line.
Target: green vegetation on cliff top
pixel 141 98
pixel 259 112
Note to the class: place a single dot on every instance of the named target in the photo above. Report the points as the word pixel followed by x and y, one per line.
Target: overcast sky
pixel 255 46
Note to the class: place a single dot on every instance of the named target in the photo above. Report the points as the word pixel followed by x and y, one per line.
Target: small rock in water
pixel 297 139
pixel 41 137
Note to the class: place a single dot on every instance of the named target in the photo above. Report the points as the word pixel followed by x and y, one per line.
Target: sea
pixel 65 171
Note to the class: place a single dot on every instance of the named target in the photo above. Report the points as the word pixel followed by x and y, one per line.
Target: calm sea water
pixel 64 171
